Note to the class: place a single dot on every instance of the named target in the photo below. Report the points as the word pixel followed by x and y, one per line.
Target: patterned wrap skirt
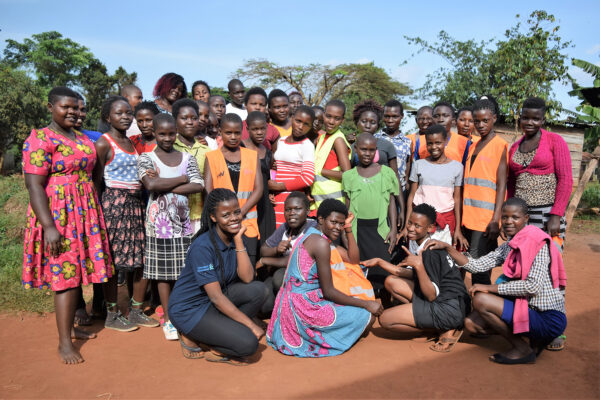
pixel 539 216
pixel 124 217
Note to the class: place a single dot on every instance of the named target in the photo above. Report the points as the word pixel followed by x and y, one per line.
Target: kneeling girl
pixel 215 298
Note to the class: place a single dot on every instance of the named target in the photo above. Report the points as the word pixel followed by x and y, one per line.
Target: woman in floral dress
pixel 65 239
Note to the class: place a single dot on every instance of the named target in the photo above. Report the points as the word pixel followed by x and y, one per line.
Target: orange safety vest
pixel 457 147
pixel 221 179
pixel 349 278
pixel 479 193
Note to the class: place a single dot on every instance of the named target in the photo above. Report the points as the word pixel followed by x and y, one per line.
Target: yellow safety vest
pixel 325 188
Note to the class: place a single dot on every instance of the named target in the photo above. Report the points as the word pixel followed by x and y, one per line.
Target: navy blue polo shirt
pixel 188 301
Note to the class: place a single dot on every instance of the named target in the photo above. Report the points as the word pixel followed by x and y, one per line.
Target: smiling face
pixel 217 106
pixel 144 121
pixel 257 130
pixel 513 220
pixel 175 93
pixel 236 93
pixel 120 116
pixel 332 225
pixel 531 121
pixel 187 122
pixel 365 150
pixel 465 123
pixel 484 121
pixel 201 93
pixel 231 133
pixel 424 120
pixel 65 112
pixel 279 109
pixel 418 227
pixel 294 212
pixel 436 144
pixel 333 118
pixel 301 125
pixel 392 118
pixel 443 115
pixel 368 122
pixel 256 102
pixel 228 217
pixel 165 134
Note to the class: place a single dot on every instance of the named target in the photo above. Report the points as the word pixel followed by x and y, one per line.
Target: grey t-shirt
pixel 282 233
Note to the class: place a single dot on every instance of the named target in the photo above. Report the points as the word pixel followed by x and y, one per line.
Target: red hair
pixel 167 82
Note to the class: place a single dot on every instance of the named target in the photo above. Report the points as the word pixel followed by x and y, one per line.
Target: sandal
pixel 82 318
pixel 219 358
pixel 562 339
pixel 446 344
pixel 193 353
pixel 500 359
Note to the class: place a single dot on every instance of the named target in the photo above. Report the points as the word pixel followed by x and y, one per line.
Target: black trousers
pixel 479 246
pixel 225 335
pixel 273 283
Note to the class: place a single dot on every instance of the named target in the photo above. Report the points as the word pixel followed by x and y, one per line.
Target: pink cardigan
pixel 524 247
pixel 552 156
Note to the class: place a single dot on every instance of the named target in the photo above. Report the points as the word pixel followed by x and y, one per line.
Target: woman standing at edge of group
pixel 540 172
pixel 168 89
pixel 58 163
pixel 484 189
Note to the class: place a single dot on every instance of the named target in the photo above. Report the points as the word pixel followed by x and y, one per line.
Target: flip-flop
pixel 218 358
pixel 500 359
pixel 450 341
pixel 563 340
pixel 193 353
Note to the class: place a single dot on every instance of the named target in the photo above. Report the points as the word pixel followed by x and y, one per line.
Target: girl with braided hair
pixel 215 297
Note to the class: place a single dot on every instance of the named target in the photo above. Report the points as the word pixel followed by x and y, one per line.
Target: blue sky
pixel 210 40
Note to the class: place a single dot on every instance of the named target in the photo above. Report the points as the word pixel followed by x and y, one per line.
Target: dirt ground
pixel 142 364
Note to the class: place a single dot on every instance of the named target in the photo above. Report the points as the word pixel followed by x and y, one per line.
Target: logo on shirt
pixel 205 268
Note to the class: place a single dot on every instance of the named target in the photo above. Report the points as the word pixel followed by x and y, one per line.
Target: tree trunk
pixel 1 163
pixel 581 187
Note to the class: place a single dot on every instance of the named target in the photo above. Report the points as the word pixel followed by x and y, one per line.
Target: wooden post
pixel 581 187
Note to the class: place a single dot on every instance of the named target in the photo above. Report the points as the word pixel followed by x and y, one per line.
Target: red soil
pixel 142 364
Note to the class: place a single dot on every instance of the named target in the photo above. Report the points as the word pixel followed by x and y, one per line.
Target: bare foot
pixel 80 334
pixel 69 354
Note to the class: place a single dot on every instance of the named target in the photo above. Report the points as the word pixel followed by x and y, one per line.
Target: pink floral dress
pixel 73 202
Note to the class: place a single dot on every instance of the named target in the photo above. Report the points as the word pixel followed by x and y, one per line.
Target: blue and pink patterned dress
pixel 303 323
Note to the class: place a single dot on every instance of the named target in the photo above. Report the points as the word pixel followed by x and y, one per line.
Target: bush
pixel 13 208
pixel 591 195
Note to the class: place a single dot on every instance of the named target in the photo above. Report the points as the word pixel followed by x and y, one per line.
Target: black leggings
pixel 273 283
pixel 479 246
pixel 225 335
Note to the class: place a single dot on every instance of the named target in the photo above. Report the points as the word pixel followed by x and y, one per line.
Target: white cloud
pixel 594 49
pixel 363 61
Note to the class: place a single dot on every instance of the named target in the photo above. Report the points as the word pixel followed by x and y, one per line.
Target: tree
pixel 525 63
pixel 54 60
pixel 58 61
pixel 589 108
pixel 22 107
pixel 318 83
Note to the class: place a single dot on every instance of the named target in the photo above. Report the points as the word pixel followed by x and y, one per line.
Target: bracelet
pixel 239 251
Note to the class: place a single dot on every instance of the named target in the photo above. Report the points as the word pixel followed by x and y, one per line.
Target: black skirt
pixel 372 245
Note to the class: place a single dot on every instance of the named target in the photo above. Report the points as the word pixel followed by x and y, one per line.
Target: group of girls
pixel 196 201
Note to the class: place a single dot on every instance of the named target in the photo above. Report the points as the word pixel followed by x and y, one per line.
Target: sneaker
pixel 116 321
pixel 137 317
pixel 170 331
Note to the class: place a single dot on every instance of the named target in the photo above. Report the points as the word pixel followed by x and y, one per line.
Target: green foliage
pixel 22 107
pixel 58 61
pixel 588 114
pixel 591 195
pixel 318 83
pixel 527 62
pixel 219 91
pixel 13 206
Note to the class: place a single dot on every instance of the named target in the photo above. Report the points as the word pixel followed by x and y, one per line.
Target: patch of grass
pixel 585 224
pixel 13 209
pixel 591 195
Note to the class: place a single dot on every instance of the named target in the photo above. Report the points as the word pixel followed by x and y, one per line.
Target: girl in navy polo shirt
pixel 215 297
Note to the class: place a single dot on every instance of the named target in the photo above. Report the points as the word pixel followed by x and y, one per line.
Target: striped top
pixel 120 172
pixel 295 163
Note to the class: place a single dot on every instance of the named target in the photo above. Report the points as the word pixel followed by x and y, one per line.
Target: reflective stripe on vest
pixel 349 278
pixel 222 179
pixel 479 193
pixel 322 187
